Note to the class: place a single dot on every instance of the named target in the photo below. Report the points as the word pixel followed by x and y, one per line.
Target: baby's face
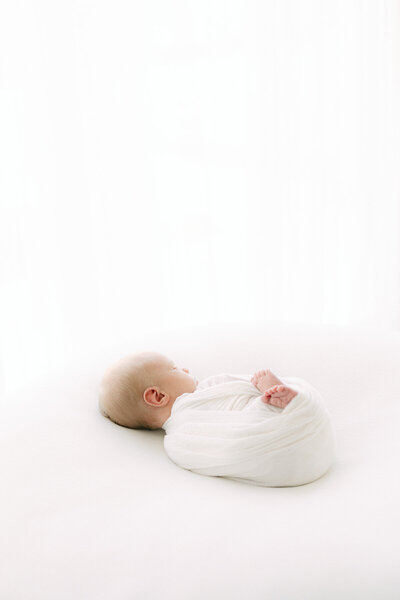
pixel 175 380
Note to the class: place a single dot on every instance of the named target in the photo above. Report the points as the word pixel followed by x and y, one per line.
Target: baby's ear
pixel 152 396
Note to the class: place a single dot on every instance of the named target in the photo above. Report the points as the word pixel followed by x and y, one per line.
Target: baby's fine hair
pixel 122 388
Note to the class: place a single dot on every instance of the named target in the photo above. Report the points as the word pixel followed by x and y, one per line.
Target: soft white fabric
pixel 225 429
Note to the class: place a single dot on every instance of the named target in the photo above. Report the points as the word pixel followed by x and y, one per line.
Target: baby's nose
pixel 186 370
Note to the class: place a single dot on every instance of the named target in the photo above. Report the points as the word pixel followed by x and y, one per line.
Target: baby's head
pixel 140 390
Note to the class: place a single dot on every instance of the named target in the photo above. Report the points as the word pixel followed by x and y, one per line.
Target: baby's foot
pixel 279 396
pixel 263 380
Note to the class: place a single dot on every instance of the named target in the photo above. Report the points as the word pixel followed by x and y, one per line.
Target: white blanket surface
pixel 224 429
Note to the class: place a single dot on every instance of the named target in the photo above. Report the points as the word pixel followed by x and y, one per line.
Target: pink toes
pixel 273 390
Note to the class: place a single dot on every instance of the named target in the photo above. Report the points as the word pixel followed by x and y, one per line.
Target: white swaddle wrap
pixel 224 429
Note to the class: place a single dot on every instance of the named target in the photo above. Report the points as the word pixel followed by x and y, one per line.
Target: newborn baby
pixel 260 429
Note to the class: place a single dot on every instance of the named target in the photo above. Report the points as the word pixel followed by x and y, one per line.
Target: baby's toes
pixel 271 390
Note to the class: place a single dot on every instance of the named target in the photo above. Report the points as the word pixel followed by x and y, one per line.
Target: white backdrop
pixel 176 162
